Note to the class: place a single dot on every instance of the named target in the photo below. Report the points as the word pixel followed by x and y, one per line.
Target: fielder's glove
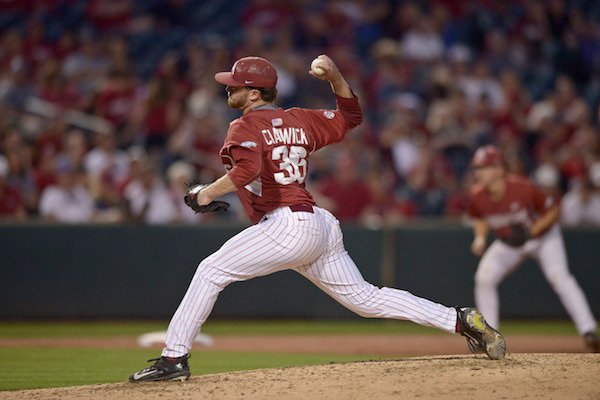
pixel 519 234
pixel 191 200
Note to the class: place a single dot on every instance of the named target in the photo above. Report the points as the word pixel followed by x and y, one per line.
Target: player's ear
pixel 254 94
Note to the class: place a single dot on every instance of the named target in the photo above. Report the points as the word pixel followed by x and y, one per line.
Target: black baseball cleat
pixel 592 342
pixel 164 369
pixel 481 337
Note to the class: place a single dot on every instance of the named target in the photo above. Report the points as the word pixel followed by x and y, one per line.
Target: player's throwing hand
pixel 324 68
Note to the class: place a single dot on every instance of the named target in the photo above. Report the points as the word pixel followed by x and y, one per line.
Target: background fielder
pixel 266 154
pixel 524 220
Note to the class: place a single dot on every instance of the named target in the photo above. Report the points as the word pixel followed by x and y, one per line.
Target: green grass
pixel 365 327
pixel 30 368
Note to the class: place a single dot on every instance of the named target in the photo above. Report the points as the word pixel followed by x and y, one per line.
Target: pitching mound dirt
pixel 537 376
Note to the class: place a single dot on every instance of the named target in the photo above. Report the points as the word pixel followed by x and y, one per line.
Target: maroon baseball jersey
pixel 266 152
pixel 522 203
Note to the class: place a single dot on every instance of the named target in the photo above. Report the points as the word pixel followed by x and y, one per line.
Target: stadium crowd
pixel 107 107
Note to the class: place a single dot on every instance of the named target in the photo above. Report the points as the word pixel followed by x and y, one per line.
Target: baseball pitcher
pixel 266 154
pixel 524 221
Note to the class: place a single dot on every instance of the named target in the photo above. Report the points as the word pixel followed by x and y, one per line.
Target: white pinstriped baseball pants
pixel 310 244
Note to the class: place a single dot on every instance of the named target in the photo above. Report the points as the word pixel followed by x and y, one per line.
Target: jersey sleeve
pixel 542 202
pixel 330 126
pixel 244 149
pixel 473 210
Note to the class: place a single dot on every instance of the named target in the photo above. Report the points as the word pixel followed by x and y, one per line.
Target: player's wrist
pixel 479 240
pixel 535 231
pixel 340 86
pixel 204 196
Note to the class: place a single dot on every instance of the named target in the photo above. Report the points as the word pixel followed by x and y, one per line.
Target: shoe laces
pixel 179 359
pixel 473 345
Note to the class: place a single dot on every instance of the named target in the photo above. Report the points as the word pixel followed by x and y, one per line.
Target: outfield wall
pixel 142 272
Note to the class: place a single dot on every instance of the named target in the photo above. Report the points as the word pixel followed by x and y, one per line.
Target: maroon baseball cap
pixel 249 71
pixel 486 156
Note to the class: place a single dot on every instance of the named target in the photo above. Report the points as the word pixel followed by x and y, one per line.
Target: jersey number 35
pixel 292 165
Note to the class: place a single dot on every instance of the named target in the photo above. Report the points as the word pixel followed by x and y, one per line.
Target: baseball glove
pixel 519 234
pixel 191 197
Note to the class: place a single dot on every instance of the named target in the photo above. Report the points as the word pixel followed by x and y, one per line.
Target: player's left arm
pixel 245 154
pixel 548 209
pixel 246 169
pixel 545 221
pixel 220 187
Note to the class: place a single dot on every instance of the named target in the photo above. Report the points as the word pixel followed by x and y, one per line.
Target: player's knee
pixel 364 302
pixel 204 269
pixel 208 273
pixel 483 279
pixel 559 280
pixel 366 312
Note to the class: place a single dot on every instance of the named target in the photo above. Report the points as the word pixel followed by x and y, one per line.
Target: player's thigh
pixel 337 275
pixel 497 262
pixel 256 252
pixel 334 271
pixel 552 256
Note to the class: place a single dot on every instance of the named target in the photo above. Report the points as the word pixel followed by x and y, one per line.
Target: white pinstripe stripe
pixel 314 248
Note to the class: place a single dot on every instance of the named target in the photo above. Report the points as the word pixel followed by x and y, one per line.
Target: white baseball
pixel 316 66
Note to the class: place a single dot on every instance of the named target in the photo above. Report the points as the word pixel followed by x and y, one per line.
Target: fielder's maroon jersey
pixel 266 152
pixel 522 203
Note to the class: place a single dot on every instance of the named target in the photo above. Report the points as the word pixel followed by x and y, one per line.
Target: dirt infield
pixel 537 376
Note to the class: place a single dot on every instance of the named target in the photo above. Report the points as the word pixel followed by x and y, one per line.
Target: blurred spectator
pixel 195 140
pixel 137 159
pixel 147 198
pixel 53 88
pixel 350 196
pixel 179 175
pixel 66 45
pixel 75 148
pixel 87 66
pixel 547 178
pixel 404 142
pixel 13 50
pixel 16 86
pixel 169 14
pixel 428 186
pixel 21 175
pixel 105 160
pixel 106 166
pixel 267 15
pixel 422 42
pixel 68 201
pixel 11 205
pixel 384 209
pixel 107 15
pixel 480 84
pixel 159 114
pixel 117 49
pixel 115 100
pixel 581 204
pixel 37 50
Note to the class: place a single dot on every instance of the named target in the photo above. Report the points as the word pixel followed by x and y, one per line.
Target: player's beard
pixel 237 102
